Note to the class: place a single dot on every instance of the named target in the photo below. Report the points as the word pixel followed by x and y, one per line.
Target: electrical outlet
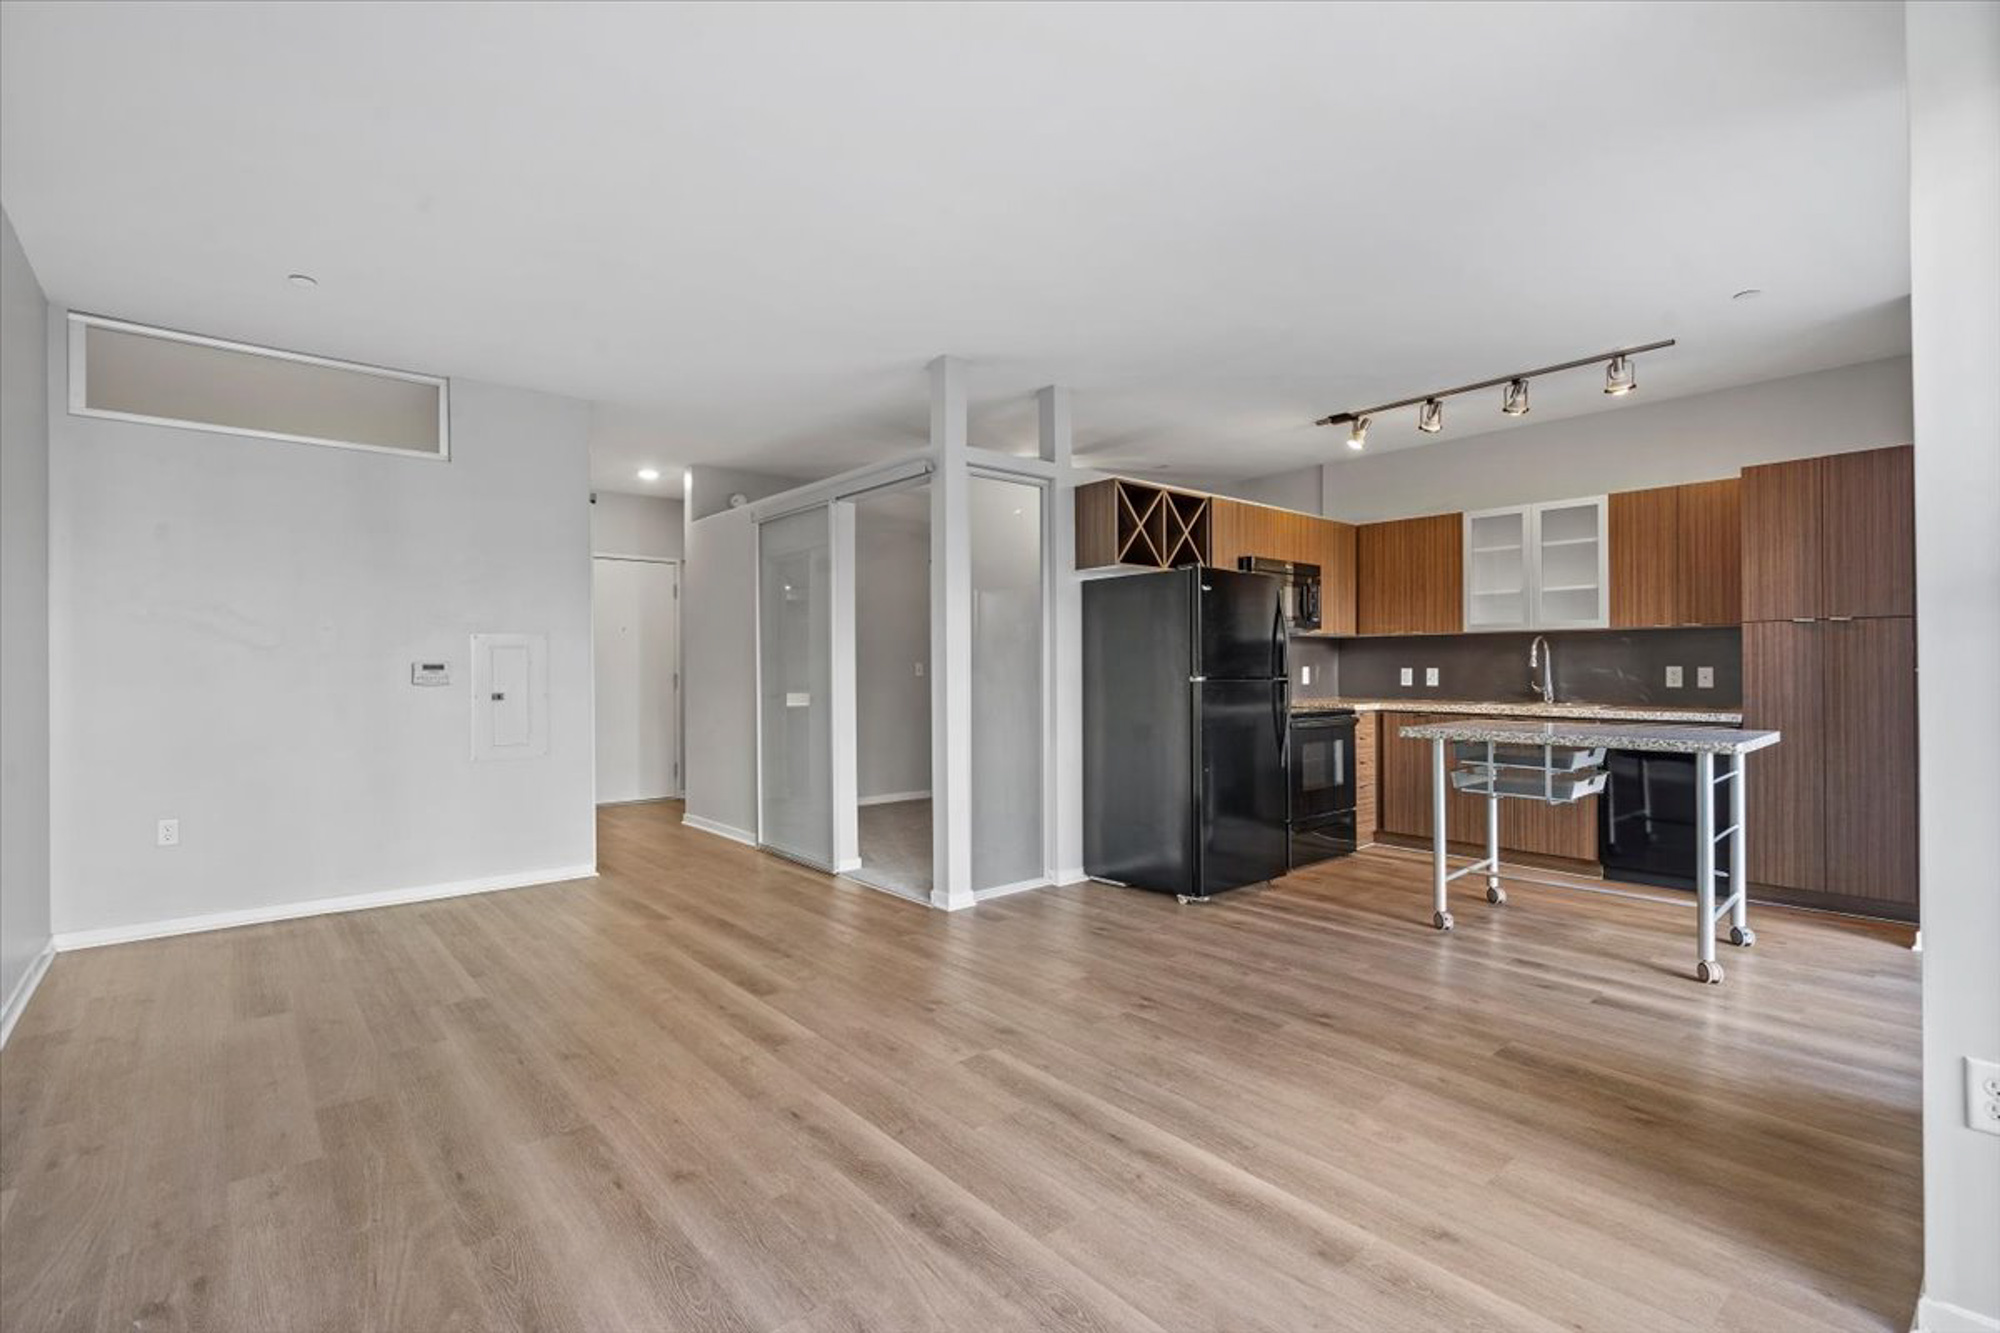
pixel 1430 675
pixel 170 833
pixel 1704 678
pixel 1982 1095
pixel 1673 678
pixel 1408 675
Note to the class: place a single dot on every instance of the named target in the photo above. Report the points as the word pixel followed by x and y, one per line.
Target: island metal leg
pixel 1740 933
pixel 1706 968
pixel 1494 893
pixel 1440 914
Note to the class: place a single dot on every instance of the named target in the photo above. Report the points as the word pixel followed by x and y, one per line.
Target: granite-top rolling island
pixel 1561 761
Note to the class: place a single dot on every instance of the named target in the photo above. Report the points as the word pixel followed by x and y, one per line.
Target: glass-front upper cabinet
pixel 1543 566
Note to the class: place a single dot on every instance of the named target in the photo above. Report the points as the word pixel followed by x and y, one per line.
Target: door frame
pixel 680 695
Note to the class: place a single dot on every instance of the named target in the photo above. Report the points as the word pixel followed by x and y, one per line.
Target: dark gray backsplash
pixel 1592 666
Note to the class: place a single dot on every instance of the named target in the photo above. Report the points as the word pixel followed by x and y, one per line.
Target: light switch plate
pixel 1704 678
pixel 1408 675
pixel 1430 675
pixel 1305 675
pixel 1673 678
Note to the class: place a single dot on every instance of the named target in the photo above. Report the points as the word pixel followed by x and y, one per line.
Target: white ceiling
pixel 742 230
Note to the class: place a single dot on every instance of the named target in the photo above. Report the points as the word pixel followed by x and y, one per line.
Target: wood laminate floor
pixel 712 1090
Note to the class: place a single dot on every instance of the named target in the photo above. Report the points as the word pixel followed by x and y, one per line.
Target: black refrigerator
pixel 1186 702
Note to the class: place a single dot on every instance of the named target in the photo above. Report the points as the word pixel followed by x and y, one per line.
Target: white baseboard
pixel 253 916
pixel 720 829
pixel 24 990
pixel 891 797
pixel 1071 875
pixel 1935 1316
pixel 1003 890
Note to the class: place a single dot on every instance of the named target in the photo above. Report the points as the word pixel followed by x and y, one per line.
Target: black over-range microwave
pixel 1301 589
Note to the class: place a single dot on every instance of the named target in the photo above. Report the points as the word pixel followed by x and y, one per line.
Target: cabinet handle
pixel 1840 620
pixel 1802 620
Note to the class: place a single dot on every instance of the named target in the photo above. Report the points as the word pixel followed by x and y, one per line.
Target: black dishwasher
pixel 1645 818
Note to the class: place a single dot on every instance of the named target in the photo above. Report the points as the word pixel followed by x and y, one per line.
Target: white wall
pixel 1954 82
pixel 636 525
pixel 709 488
pixel 892 636
pixel 233 625
pixel 1300 489
pixel 24 621
pixel 1634 445
pixel 719 672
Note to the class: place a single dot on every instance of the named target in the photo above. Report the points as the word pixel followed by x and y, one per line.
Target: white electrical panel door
pixel 510 696
pixel 1499 581
pixel 1572 565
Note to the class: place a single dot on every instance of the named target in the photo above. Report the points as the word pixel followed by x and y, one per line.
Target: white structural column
pixel 1953 52
pixel 951 639
pixel 1062 799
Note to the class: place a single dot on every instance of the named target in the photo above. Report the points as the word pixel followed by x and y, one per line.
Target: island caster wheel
pixel 1742 936
pixel 1442 920
pixel 1709 974
pixel 1496 895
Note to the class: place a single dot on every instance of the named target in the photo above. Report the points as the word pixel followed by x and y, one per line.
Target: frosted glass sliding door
pixel 1007 658
pixel 795 675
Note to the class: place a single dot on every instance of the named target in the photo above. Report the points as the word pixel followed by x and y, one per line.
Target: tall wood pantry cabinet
pixel 1829 658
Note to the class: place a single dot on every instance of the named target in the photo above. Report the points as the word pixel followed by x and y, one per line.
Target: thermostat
pixel 430 673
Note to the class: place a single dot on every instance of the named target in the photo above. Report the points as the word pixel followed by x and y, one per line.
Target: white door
pixel 636 622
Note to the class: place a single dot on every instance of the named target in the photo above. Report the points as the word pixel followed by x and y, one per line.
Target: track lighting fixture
pixel 1619 376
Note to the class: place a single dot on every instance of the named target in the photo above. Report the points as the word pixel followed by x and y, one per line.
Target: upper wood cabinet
pixel 1132 523
pixel 1830 538
pixel 1868 548
pixel 1676 555
pixel 1120 522
pixel 1709 586
pixel 1409 576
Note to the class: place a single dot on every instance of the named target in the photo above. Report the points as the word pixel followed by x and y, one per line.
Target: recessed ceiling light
pixel 302 279
pixel 1748 294
pixel 649 474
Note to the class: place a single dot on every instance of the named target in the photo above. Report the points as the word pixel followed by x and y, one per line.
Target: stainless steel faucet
pixel 1540 654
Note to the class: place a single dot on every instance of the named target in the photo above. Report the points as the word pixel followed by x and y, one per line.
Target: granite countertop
pixel 1492 708
pixel 1593 735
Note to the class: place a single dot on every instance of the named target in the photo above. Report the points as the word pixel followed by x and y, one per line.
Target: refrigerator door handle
pixel 1281 699
pixel 1279 666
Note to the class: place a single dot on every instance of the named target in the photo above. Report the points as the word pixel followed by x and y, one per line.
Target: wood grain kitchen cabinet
pixel 1708 584
pixel 1238 528
pixel 1783 690
pixel 1869 693
pixel 1367 772
pixel 1782 559
pixel 1868 534
pixel 1403 793
pixel 1121 522
pixel 1645 531
pixel 1409 576
pixel 1830 537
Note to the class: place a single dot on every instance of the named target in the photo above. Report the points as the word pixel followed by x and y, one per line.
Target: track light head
pixel 1357 434
pixel 1620 376
pixel 1515 401
pixel 1430 417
